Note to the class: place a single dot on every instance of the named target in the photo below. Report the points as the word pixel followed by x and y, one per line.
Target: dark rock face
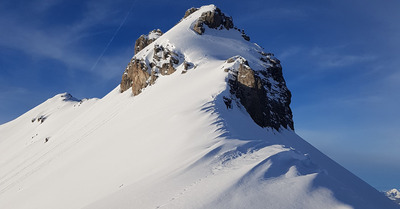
pixel 145 40
pixel 262 93
pixel 213 19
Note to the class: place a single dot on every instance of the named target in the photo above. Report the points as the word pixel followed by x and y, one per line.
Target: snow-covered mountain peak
pixel 206 35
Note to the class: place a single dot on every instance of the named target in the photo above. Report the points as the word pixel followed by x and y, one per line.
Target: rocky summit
pixel 259 87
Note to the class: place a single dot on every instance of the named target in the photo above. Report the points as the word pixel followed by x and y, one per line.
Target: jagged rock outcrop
pixel 141 73
pixel 213 19
pixel 263 93
pixel 145 40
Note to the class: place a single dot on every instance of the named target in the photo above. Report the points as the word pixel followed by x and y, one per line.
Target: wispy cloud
pixel 37 43
pixel 289 52
pixel 63 44
pixel 327 57
pixel 332 57
pixel 112 66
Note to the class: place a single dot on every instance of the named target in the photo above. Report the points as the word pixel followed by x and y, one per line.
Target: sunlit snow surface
pixel 175 145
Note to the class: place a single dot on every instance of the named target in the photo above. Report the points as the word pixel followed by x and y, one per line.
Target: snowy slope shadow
pixel 275 168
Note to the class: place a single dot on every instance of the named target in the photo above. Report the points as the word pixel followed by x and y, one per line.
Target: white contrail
pixel 112 38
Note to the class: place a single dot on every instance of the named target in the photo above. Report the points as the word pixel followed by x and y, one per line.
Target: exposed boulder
pixel 262 93
pixel 145 40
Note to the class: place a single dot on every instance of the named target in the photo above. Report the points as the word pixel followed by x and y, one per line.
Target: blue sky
pixel 340 60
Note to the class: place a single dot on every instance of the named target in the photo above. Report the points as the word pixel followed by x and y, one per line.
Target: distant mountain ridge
pixel 394 195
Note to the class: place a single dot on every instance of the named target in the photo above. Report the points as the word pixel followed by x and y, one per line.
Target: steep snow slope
pixel 175 145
